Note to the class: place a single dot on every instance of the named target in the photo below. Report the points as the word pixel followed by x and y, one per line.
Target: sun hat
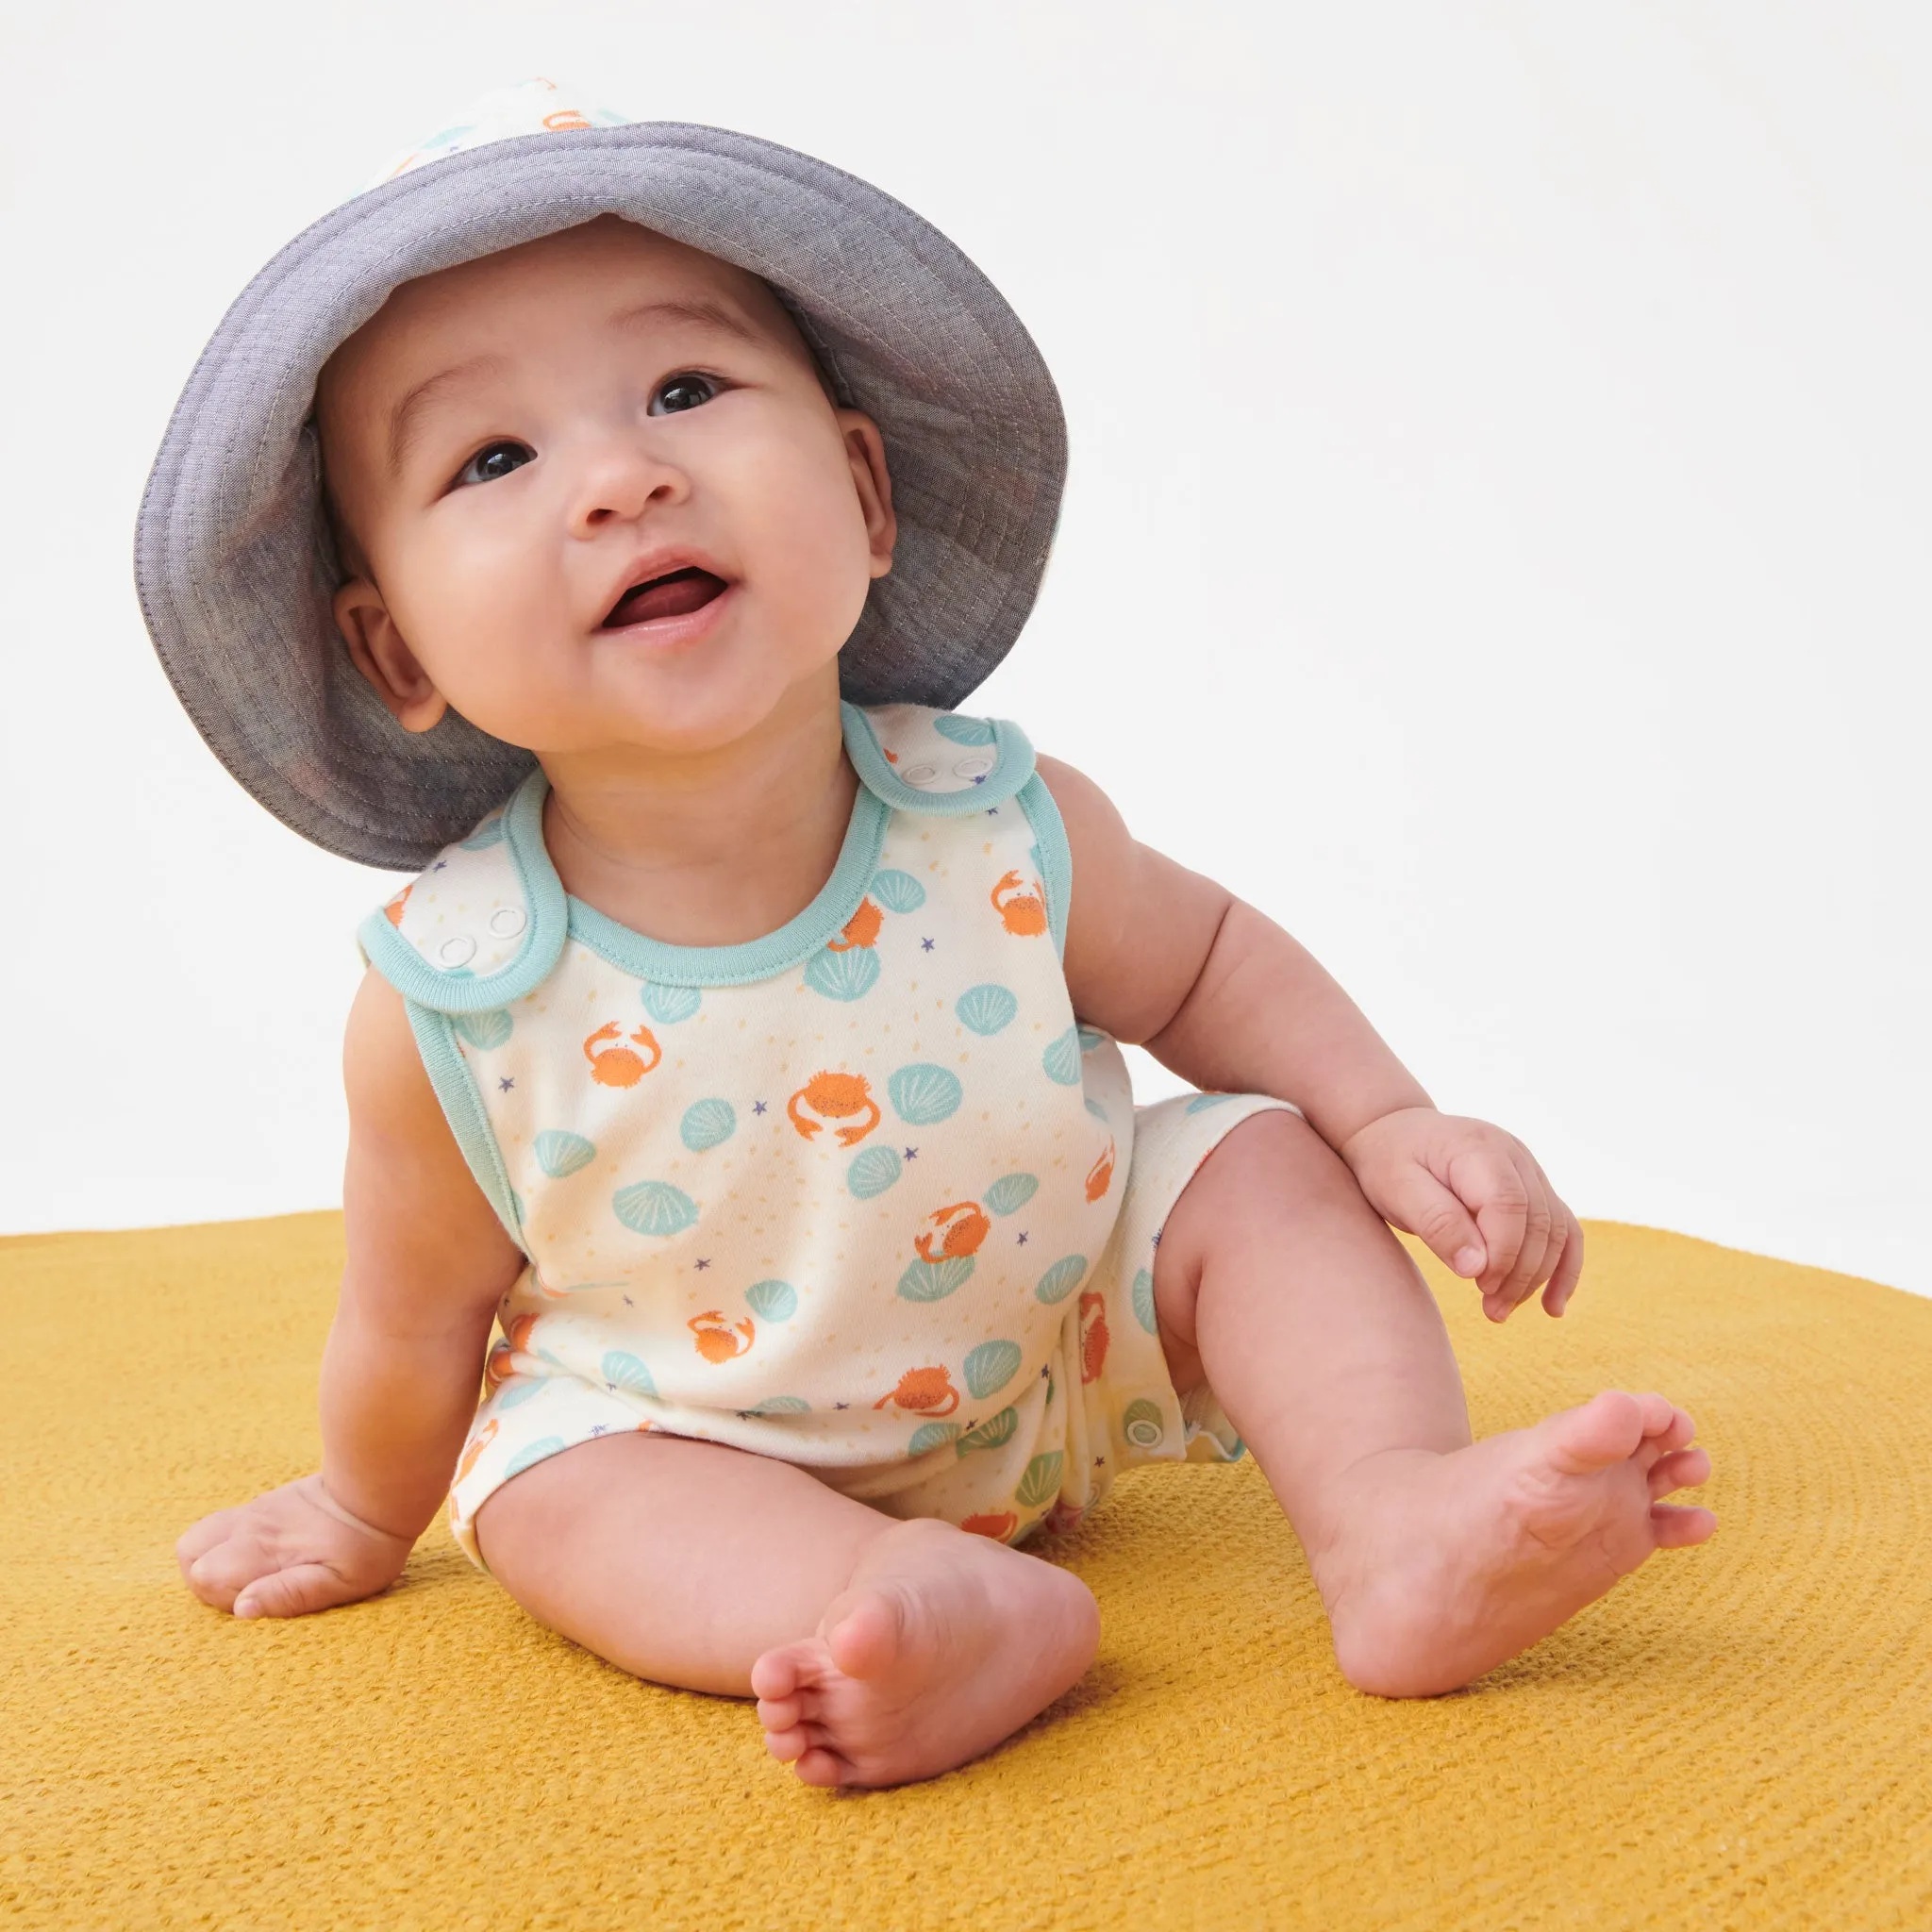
pixel 233 559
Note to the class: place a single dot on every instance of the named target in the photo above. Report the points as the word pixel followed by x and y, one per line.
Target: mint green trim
pixel 1012 767
pixel 795 942
pixel 1055 860
pixel 462 1108
pixel 463 991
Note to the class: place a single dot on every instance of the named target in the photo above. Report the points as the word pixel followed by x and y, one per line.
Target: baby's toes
pixel 822 1767
pixel 783 1673
pixel 1677 1528
pixel 1684 1469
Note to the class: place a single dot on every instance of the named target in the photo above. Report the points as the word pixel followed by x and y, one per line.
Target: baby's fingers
pixel 1568 1268
pixel 1419 1202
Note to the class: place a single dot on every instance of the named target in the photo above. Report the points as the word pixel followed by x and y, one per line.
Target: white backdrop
pixel 1497 542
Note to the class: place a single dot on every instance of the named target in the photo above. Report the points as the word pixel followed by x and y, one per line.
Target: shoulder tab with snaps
pixel 939 763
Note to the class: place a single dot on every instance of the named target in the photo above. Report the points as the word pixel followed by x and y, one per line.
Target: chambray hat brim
pixel 233 560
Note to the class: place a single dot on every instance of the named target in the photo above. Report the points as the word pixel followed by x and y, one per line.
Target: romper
pixel 861 1195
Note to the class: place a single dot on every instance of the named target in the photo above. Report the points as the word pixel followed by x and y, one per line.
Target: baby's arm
pixel 1164 958
pixel 427 1262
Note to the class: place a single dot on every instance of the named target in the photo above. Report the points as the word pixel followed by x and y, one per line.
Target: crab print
pixel 1022 915
pixel 999 1527
pixel 394 910
pixel 836 1097
pixel 958 1230
pixel 478 1442
pixel 516 1341
pixel 719 1340
pixel 1100 1175
pixel 923 1391
pixel 1094 1337
pixel 862 929
pixel 618 1066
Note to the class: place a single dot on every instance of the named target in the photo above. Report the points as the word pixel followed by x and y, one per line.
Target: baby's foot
pixel 1447 1565
pixel 943 1644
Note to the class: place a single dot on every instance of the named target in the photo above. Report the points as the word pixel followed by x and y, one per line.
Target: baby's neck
pixel 712 849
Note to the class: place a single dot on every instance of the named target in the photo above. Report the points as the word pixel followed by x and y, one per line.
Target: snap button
pixel 975 767
pixel 507 921
pixel 458 951
pixel 919 774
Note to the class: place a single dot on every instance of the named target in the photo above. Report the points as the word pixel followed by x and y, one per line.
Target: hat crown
pixel 531 106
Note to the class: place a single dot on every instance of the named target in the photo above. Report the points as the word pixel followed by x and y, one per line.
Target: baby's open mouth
pixel 677 594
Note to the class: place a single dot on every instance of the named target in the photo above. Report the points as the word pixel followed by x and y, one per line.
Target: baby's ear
pixel 384 658
pixel 865 450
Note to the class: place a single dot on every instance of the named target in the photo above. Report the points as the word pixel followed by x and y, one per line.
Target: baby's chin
pixel 685 710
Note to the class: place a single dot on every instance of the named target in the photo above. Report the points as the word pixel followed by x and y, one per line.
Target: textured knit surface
pixel 1737 1736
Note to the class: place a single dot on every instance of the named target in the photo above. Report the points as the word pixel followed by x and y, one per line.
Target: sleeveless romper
pixel 860 1195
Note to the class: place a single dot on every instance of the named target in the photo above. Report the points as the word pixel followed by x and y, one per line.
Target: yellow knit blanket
pixel 1740 1736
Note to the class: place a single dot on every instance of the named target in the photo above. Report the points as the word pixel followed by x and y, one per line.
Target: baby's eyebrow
pixel 405 419
pixel 703 313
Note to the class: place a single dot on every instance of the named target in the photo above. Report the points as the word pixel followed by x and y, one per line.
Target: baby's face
pixel 594 496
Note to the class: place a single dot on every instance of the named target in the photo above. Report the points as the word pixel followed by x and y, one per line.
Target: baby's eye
pixel 495 459
pixel 686 391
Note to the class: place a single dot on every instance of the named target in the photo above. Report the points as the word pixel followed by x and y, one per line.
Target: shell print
pixel 989 1367
pixel 561 1154
pixel 654 1208
pixel 623 1370
pixel 985 1009
pixel 923 1094
pixel 873 1171
pixel 930 1435
pixel 486 1031
pixel 668 1004
pixel 1041 1481
pixel 994 1433
pixel 843 976
pixel 960 730
pixel 898 891
pixel 1011 1192
pixel 533 1453
pixel 771 1301
pixel 708 1123
pixel 933 1281
pixel 1061 1060
pixel 1062 1279
pixel 1143 1301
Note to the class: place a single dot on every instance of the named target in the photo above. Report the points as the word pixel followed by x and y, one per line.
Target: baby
pixel 748 1053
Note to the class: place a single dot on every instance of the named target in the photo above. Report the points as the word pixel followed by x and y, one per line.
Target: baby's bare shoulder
pixel 1139 925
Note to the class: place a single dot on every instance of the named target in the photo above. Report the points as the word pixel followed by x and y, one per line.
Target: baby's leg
pixel 1437 1559
pixel 880 1651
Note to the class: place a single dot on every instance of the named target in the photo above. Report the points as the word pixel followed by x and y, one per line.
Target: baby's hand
pixel 289 1552
pixel 1478 1197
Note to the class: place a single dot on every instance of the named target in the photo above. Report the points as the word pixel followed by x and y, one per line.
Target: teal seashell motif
pixel 930 1435
pixel 708 1123
pixel 560 1154
pixel 1011 1192
pixel 923 1094
pixel 1202 1102
pixel 1062 1279
pixel 518 1390
pixel 486 835
pixel 1041 1482
pixel 873 1171
pixel 996 1432
pixel 531 1452
pixel 933 1281
pixel 654 1208
pixel 1099 1112
pixel 847 976
pixel 1143 1300
pixel 668 1004
pixel 1062 1058
pixel 991 1366
pixel 485 1031
pixel 1090 1036
pixel 623 1370
pixel 1141 1424
pixel 897 892
pixel 963 730
pixel 985 1008
pixel 783 1405
pixel 773 1301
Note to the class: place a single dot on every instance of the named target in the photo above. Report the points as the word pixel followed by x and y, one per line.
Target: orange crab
pixel 394 910
pixel 836 1097
pixel 1094 1337
pixel 923 1391
pixel 478 1442
pixel 961 1236
pixel 618 1066
pixel 719 1340
pixel 1022 914
pixel 999 1527
pixel 862 929
pixel 516 1341
pixel 1100 1175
